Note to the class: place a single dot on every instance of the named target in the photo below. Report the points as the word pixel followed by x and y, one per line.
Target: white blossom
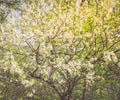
pixel 78 3
pixel 30 94
pixel 110 56
pixel 119 64
pixel 27 83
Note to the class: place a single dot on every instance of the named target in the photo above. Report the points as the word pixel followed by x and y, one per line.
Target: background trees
pixel 63 49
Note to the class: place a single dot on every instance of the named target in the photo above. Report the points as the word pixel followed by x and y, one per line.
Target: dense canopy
pixel 59 50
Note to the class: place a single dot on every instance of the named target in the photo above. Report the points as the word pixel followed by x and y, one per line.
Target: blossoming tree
pixel 63 49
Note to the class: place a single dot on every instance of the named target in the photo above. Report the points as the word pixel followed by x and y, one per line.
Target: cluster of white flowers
pixel 90 65
pixel 89 76
pixel 30 94
pixel 99 78
pixel 93 59
pixel 15 69
pixel 119 64
pixel 90 73
pixel 110 56
pixel 12 65
pixel 46 7
pixel 28 83
pixel 73 67
pixel 78 3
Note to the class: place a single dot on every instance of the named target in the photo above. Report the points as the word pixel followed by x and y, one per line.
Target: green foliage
pixel 60 50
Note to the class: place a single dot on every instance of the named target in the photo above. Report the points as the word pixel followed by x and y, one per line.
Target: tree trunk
pixel 84 94
pixel 118 96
